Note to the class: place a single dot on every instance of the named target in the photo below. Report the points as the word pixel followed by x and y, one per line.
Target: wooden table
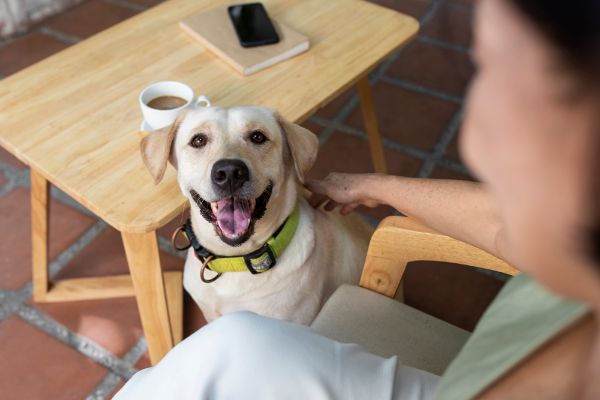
pixel 73 118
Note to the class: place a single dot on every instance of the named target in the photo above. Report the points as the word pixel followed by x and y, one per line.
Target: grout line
pixel 66 256
pixel 424 20
pixel 105 387
pixel 22 178
pixel 353 102
pixel 344 112
pixel 11 301
pixel 68 200
pixel 7 187
pixel 443 44
pixel 111 380
pixel 128 5
pixel 389 143
pixel 80 343
pixel 5 306
pixel 164 244
pixel 465 7
pixel 136 352
pixel 63 37
pixel 367 218
pixel 15 36
pixel 8 170
pixel 375 76
pixel 453 166
pixel 441 146
pixel 422 89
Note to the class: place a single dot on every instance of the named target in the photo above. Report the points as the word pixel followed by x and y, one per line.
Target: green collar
pixel 258 261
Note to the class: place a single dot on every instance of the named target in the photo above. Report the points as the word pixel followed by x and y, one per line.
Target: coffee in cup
pixel 166 102
pixel 161 102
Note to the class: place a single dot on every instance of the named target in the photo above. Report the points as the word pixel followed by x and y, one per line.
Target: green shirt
pixel 521 319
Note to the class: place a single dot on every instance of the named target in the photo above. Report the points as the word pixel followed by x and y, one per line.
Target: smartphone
pixel 252 25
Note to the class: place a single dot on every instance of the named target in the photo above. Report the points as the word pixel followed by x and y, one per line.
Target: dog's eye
pixel 198 140
pixel 257 137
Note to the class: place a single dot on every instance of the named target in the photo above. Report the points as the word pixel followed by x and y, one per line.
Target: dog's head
pixel 233 164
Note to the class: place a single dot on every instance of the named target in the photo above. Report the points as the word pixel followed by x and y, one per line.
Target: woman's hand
pixel 347 190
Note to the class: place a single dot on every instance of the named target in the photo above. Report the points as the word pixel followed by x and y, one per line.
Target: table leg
pixel 370 119
pixel 144 265
pixel 40 206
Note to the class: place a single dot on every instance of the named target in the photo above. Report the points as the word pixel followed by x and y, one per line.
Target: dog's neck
pixel 280 206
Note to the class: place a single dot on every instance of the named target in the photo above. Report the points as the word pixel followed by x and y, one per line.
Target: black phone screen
pixel 252 25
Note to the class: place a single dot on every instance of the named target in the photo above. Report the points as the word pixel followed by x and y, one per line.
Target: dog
pixel 241 169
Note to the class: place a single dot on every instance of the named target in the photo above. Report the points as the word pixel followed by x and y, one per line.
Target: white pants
pixel 246 356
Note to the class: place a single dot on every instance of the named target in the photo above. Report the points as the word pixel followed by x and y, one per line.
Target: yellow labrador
pixel 241 170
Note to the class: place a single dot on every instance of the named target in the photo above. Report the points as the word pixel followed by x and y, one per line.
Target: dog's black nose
pixel 230 174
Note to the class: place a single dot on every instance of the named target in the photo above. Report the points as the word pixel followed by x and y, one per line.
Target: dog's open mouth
pixel 234 217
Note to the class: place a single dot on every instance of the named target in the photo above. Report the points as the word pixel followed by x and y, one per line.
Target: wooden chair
pixel 368 315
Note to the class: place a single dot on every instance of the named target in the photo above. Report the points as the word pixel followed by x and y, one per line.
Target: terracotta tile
pixel 143 362
pixel 408 117
pixel 444 173
pixel 66 225
pixel 5 156
pixel 331 110
pixel 415 8
pixel 466 3
pixel 375 214
pixel 311 126
pixel 148 3
pixel 88 18
pixel 452 24
pixel 434 67
pixel 453 151
pixel 453 293
pixel 345 153
pixel 167 230
pixel 114 324
pixel 106 256
pixel 116 389
pixel 193 318
pixel 37 366
pixel 27 50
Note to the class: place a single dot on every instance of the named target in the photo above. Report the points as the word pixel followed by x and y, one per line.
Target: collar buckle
pixel 260 260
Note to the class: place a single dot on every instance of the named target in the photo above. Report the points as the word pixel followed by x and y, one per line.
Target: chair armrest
pixel 400 240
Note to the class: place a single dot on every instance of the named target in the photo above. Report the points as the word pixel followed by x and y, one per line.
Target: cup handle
pixel 202 99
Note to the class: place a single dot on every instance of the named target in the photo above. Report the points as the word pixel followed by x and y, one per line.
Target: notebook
pixel 213 29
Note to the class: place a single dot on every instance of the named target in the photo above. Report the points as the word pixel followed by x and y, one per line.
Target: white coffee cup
pixel 155 118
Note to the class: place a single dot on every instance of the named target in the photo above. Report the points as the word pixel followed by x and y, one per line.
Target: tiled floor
pixel 87 349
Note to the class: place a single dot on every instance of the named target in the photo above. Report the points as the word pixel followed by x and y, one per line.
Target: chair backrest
pixel 400 240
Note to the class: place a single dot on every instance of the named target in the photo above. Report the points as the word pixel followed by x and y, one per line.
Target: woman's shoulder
pixel 522 318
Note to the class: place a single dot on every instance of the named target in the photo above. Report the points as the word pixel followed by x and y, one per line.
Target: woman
pixel 531 133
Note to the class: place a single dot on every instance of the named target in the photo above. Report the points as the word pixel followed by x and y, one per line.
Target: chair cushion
pixel 387 327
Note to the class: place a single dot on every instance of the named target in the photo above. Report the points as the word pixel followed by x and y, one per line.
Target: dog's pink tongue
pixel 233 216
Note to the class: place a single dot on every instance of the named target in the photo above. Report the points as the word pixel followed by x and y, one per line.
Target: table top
pixel 74 117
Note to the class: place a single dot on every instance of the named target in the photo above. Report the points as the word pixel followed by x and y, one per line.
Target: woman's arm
pixel 460 209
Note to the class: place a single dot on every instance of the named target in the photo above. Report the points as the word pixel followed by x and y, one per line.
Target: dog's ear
pixel 303 145
pixel 156 149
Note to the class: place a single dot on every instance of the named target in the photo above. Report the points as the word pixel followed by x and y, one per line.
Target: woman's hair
pixel 573 27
